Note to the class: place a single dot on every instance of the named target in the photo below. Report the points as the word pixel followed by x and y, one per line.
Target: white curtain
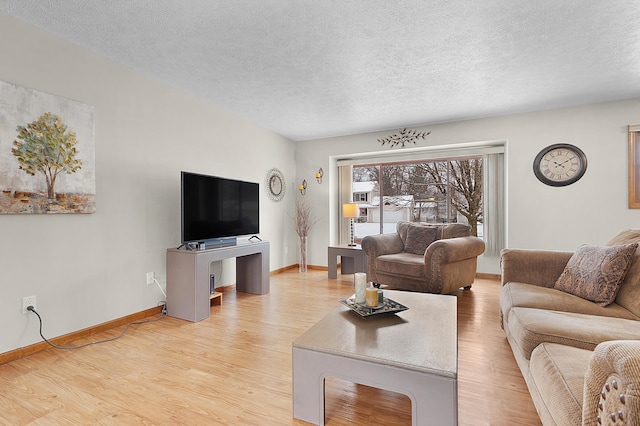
pixel 345 196
pixel 494 206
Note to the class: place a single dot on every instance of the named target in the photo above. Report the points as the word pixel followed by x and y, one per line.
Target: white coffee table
pixel 414 353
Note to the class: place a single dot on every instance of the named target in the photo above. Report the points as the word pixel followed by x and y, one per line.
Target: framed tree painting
pixel 47 153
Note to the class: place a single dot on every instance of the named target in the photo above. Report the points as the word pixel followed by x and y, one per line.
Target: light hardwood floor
pixel 235 368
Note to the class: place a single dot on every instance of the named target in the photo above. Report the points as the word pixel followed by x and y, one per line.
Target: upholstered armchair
pixel 422 257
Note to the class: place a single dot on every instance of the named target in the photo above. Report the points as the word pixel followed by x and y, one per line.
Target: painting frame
pixel 47 153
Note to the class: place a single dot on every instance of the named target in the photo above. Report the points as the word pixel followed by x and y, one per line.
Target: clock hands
pixel 563 163
pixel 566 161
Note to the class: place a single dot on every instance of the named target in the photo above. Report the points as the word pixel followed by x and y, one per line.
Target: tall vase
pixel 303 254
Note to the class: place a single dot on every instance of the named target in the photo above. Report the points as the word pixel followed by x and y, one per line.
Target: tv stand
pixel 188 288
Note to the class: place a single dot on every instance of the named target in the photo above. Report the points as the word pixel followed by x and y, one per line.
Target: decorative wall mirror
pixel 275 184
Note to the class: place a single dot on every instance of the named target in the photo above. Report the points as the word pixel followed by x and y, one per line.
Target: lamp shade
pixel 350 210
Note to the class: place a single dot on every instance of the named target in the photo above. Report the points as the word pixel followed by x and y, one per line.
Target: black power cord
pixel 32 309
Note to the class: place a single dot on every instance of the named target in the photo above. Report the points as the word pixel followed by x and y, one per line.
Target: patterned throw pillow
pixel 419 237
pixel 596 273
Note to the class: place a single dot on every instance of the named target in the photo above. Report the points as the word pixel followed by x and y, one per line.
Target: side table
pixel 353 259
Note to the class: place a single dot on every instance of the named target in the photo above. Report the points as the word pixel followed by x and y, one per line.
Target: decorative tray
pixel 388 306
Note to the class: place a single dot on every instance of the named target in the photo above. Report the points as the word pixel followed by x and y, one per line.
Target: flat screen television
pixel 217 210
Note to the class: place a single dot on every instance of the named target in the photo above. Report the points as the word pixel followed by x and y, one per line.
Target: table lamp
pixel 351 211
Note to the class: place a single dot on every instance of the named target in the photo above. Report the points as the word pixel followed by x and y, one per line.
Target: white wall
pixel 88 269
pixel 538 216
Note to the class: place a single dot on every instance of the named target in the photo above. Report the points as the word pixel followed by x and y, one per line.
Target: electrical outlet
pixel 28 301
pixel 150 277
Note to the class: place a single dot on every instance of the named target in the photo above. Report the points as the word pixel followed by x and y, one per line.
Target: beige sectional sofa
pixel 580 359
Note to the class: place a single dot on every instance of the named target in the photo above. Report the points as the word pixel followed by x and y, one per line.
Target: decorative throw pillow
pixel 419 237
pixel 596 273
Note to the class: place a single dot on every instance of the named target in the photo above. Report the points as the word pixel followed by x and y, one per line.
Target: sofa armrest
pixel 381 244
pixel 378 245
pixel 537 267
pixel 450 250
pixel 612 384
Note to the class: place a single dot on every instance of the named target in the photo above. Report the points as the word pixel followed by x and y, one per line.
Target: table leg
pixel 308 388
pixel 332 263
pixel 360 262
pixel 347 265
pixel 434 399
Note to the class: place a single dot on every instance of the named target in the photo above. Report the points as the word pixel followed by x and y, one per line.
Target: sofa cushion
pixel 557 372
pixel 523 295
pixel 596 273
pixel 419 238
pixel 405 264
pixel 630 288
pixel 530 327
pixel 625 236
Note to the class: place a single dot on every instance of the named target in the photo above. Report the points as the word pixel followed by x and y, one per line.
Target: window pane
pixel 366 193
pixel 465 180
pixel 445 191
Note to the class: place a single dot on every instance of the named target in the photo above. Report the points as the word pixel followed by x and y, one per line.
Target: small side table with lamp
pixel 353 258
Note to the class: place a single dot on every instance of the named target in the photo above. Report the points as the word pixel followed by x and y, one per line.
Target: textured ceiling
pixel 309 69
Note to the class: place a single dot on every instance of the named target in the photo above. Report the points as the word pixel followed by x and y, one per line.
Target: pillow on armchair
pixel 419 237
pixel 596 273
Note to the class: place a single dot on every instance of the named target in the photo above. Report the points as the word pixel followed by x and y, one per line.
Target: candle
pixel 360 282
pixel 371 297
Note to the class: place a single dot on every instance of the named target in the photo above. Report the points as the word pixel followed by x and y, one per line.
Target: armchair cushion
pixel 401 264
pixel 419 238
pixel 596 273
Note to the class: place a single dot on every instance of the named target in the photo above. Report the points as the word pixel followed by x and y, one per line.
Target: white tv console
pixel 188 288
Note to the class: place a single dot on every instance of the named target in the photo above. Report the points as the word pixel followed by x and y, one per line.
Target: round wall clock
pixel 560 164
pixel 275 184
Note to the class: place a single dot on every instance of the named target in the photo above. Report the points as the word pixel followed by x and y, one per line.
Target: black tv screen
pixel 215 207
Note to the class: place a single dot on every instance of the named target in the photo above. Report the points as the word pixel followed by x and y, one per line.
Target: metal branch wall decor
pixel 402 137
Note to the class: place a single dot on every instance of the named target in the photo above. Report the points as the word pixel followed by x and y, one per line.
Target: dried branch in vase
pixel 304 221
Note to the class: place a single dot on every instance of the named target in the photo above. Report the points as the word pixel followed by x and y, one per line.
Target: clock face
pixel 560 165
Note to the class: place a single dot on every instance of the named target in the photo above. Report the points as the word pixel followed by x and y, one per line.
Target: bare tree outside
pixel 464 177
